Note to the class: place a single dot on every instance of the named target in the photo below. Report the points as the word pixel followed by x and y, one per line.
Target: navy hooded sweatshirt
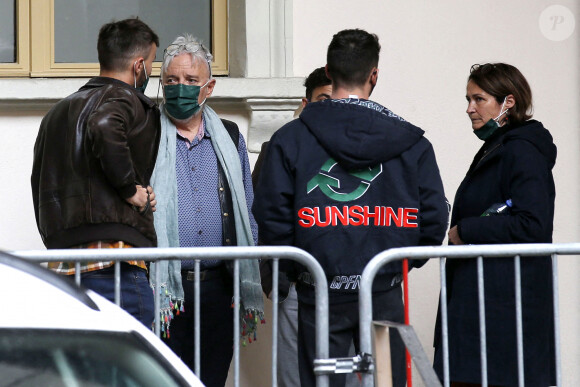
pixel 346 180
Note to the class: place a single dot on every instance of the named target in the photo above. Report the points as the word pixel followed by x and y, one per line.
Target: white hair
pixel 186 44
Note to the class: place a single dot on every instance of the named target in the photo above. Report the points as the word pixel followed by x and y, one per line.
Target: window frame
pixel 35 44
pixel 21 67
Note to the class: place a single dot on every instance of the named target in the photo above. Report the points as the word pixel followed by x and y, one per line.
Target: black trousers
pixel 216 336
pixel 343 327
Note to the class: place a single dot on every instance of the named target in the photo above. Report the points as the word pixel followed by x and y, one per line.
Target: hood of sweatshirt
pixel 359 133
pixel 534 132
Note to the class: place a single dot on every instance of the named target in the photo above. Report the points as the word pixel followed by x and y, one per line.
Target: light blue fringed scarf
pixel 164 183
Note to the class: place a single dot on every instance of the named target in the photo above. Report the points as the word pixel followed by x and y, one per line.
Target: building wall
pixel 427 50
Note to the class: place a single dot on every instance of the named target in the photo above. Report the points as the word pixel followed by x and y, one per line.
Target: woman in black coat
pixel 515 163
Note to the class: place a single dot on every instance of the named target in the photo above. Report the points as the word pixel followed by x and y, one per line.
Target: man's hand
pixel 152 200
pixel 140 199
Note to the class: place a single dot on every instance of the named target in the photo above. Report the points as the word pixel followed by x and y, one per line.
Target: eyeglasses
pixel 192 47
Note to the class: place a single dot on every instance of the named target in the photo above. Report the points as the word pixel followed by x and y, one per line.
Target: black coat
pixel 515 163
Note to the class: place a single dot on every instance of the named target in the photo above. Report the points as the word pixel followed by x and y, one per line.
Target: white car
pixel 53 333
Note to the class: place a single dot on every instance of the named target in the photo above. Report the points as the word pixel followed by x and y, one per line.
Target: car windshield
pixel 77 358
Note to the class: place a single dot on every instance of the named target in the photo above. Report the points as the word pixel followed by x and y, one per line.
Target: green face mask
pixel 181 100
pixel 490 126
pixel 486 130
pixel 144 85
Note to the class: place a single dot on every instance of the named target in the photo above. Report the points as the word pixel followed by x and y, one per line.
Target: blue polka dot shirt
pixel 200 222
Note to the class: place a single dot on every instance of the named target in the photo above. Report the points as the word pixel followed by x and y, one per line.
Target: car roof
pixel 33 297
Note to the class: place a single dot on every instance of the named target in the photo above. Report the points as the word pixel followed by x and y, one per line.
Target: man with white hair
pixel 204 190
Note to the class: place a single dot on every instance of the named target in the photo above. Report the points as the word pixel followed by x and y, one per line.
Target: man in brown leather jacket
pixel 93 159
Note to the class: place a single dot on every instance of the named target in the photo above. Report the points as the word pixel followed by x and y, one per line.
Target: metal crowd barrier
pixel 452 252
pixel 202 253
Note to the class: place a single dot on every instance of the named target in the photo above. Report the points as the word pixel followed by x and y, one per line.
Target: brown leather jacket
pixel 92 148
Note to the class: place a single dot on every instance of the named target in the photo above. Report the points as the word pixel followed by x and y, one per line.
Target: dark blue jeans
pixel 136 294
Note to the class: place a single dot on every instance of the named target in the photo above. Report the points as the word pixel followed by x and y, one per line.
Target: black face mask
pixel 144 85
